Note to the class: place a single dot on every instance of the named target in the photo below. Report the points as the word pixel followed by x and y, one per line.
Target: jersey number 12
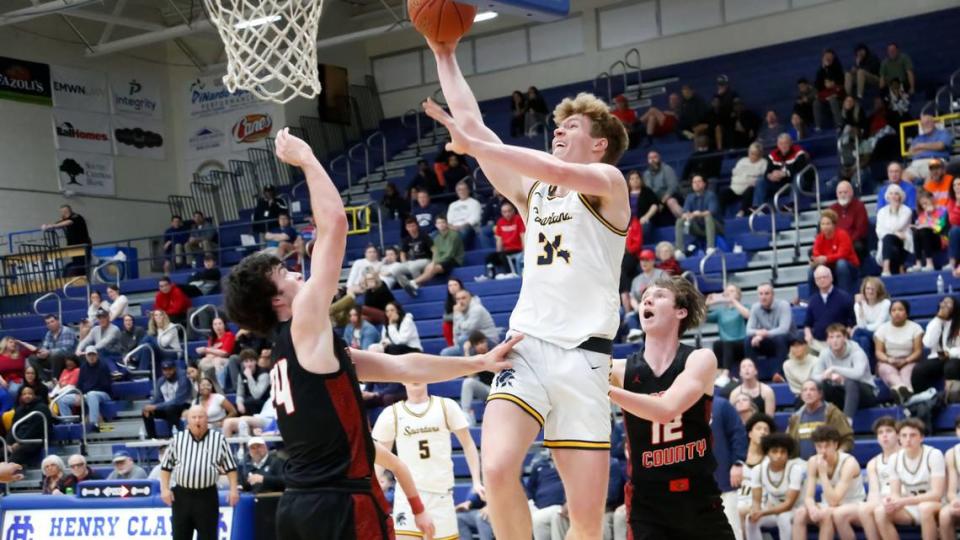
pixel 282 397
pixel 669 432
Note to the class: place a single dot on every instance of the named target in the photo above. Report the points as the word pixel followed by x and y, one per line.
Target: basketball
pixel 442 21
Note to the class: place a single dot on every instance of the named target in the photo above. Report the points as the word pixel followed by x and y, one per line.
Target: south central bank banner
pixel 21 80
pixel 97 523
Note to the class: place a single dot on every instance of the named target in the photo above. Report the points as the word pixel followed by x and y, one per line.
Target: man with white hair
pixel 125 469
pixel 784 162
pixel 262 471
pixel 895 178
pixel 852 217
pixel 931 143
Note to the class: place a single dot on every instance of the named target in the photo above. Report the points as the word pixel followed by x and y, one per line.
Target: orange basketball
pixel 442 21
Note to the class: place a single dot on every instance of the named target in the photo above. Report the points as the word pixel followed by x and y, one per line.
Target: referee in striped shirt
pixel 195 458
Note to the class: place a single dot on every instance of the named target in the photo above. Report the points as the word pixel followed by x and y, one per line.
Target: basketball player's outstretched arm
pixel 311 328
pixel 695 380
pixel 464 107
pixel 428 368
pixel 388 460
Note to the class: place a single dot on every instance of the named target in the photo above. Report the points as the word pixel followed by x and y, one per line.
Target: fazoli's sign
pixel 21 80
pixel 252 128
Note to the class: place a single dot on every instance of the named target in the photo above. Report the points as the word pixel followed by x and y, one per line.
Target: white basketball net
pixel 271 46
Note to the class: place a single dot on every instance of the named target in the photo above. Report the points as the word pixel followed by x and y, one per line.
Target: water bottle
pixel 69 491
pixel 939 283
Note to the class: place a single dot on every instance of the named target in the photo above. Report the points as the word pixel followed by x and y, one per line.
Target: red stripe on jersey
pixel 628 486
pixel 369 522
pixel 343 397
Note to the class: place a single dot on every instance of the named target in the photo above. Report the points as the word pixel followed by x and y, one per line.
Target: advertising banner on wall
pixel 90 523
pixel 207 96
pixel 207 137
pixel 81 132
pixel 139 137
pixel 250 128
pixel 79 89
pixel 135 95
pixel 25 81
pixel 90 174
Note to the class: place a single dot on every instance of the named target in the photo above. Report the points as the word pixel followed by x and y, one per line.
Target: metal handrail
pixel 36 305
pixel 816 184
pixel 936 99
pixel 601 76
pixel 293 190
pixel 83 412
pixel 626 60
pixel 856 158
pixel 692 278
pixel 403 122
pixel 153 360
pixel 953 84
pixel 180 328
pixel 69 283
pixel 623 65
pixel 758 211
pixel 796 215
pixel 96 270
pixel 46 432
pixel 383 150
pixel 192 319
pixel 366 159
pixel 343 157
pixel 723 265
pixel 926 106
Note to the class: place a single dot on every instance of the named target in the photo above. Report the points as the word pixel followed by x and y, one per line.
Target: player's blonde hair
pixel 603 125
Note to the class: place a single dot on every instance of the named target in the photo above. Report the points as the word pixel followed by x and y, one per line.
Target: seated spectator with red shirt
pixel 627 117
pixel 629 266
pixel 13 357
pixel 172 300
pixel 784 163
pixel 832 247
pixel 852 218
pixel 214 357
pixel 667 259
pixel 508 233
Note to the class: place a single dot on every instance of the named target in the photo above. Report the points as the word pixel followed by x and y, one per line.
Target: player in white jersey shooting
pixel 421 426
pixel 575 206
pixel 951 508
pixel 879 469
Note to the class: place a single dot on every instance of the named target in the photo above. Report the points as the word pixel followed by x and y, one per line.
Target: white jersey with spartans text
pixel 915 474
pixel 571 270
pixel 776 485
pixel 422 434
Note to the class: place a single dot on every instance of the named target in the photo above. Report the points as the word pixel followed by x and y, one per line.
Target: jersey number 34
pixel 282 397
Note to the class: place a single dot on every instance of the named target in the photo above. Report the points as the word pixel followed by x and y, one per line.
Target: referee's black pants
pixel 195 510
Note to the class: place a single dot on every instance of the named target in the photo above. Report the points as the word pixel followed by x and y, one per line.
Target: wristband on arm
pixel 416 506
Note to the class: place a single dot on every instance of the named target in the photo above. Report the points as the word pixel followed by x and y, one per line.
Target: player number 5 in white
pixel 282 397
pixel 669 432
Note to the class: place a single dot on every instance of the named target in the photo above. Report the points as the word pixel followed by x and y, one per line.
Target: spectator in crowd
pixel 171 397
pixel 798 365
pixel 424 180
pixel 96 385
pixel 894 232
pixel 174 240
pixel 95 304
pixel 400 334
pixel 943 364
pixel 898 345
pixel 456 171
pixel 853 126
pixel 447 255
pixel 53 471
pixel 833 248
pixel 725 94
pixel 68 380
pixel 268 210
pixel 953 218
pixel 360 268
pixel 476 386
pixel 206 279
pixel 262 470
pixel 124 468
pixel 784 163
pixel 799 129
pixel 376 296
pixel 518 110
pixel 852 218
pixel 281 237
pixel 508 234
pixel 213 402
pixel 662 180
pixel 473 518
pixel 745 408
pixel 768 326
pixel 425 212
pixel 761 393
pixel 643 202
pixel 83 326
pixel 358 333
pixel 704 161
pixel 29 428
pixel 928 232
pixel 73 224
pixel 537 111
pixel 951 507
pixel 171 300
pixel 253 384
pixel 746 173
pixel 939 184
pixel 395 204
pixel 212 358
pixel 701 216
pixel 647 275
pixel 454 285
pixel 729 450
pixel 773 501
pixel 803 104
pixel 914 499
pixel 119 305
pixel 667 259
pixel 742 126
pixel 469 315
pixel 389 265
pixel 32 379
pixel 59 342
pixel 545 493
pixel 79 472
pixel 770 129
pixel 163 338
pixel 13 355
pixel 731 316
pixel 837 474
pixel 827 305
pixel 693 111
pixel 872 308
pixel 104 336
pixel 895 178
pixel 897 101
pixel 465 214
pixel 659 123
pixel 844 371
pixel 897 65
pixel 864 71
pixel 829 85
pixel 203 237
pixel 627 116
pixel 932 144
pixel 878 482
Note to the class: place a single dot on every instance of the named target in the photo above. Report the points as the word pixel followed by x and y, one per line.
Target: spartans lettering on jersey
pixel 416 431
pixel 674 454
pixel 553 218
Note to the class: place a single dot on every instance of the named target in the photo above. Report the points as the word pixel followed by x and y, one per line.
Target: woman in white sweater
pixel 872 308
pixel 743 178
pixel 894 232
pixel 163 337
pixel 400 334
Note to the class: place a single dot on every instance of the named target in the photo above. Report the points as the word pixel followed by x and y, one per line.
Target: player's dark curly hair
pixel 825 433
pixel 761 418
pixel 248 293
pixel 777 440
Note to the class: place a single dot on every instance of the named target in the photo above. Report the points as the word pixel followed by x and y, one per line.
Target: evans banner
pixel 25 81
pixel 79 89
pixel 81 132
pixel 139 137
pixel 90 174
pixel 97 523
pixel 134 95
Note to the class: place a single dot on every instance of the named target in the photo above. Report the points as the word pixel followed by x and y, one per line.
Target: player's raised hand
pixel 292 150
pixel 496 359
pixel 443 49
pixel 10 472
pixel 459 140
pixel 425 524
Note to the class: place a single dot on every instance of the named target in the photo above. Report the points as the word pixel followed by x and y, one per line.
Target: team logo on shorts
pixel 401 519
pixel 506 378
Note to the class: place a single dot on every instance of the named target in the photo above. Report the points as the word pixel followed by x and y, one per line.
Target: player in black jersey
pixel 332 492
pixel 666 392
